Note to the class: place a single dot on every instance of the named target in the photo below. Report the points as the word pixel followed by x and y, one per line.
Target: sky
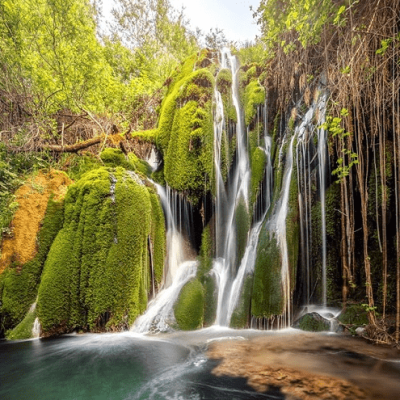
pixel 232 16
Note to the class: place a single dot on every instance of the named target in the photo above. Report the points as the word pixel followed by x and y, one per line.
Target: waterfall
pixel 178 271
pixel 224 267
pixel 307 154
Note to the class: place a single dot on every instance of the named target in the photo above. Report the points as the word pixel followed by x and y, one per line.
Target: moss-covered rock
pixel 258 161
pixel 97 274
pixel 313 322
pixel 189 307
pixel 185 134
pixel 242 221
pixel 267 298
pixel 241 314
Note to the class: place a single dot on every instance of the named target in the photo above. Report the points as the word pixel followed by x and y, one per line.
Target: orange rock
pixel 32 199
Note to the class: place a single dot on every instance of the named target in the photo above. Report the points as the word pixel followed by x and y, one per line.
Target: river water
pixel 167 366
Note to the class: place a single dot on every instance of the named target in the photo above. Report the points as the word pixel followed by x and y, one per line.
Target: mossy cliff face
pixel 36 224
pixel 97 275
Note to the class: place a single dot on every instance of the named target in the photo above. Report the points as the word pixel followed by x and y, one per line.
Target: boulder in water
pixel 312 322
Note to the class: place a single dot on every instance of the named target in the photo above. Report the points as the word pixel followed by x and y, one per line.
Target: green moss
pixel 254 95
pixel 243 221
pixel 19 283
pixel 241 314
pixel 312 323
pixel 97 273
pixel 258 161
pixel 24 329
pixel 292 225
pixel 186 134
pixel 139 165
pixel 157 236
pixel 354 315
pixel 78 165
pixel 224 81
pixel 206 253
pixel 146 136
pixel 189 306
pixel 210 300
pixel 267 298
pixel 114 158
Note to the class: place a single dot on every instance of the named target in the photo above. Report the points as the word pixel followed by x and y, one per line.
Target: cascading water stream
pixel 159 315
pixel 224 267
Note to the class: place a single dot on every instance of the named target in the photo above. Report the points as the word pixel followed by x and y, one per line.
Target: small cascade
pixel 277 226
pixel 178 216
pixel 37 329
pixel 159 315
pixel 178 271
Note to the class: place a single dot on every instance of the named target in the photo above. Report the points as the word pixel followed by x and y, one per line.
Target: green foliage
pixel 53 50
pixel 78 165
pixel 305 17
pixel 189 306
pixel 156 33
pixel 116 158
pixel 97 272
pixel 19 283
pixel 332 124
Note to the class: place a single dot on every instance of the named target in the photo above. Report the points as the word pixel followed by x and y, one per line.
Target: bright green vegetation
pixel 207 280
pixel 242 222
pixel 19 283
pixel 313 323
pixel 254 96
pixel 258 161
pixel 115 157
pixel 240 316
pixel 24 329
pixel 186 134
pixel 189 306
pixel 267 298
pixel 97 274
pixel 306 17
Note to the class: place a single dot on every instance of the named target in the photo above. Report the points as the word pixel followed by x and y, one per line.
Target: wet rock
pixel 360 331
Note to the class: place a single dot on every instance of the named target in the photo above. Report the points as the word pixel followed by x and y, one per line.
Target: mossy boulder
pixel 97 275
pixel 313 322
pixel 254 95
pixel 189 307
pixel 24 329
pixel 258 161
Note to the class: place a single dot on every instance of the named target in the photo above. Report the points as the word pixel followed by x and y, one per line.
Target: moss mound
pixel 189 306
pixel 24 329
pixel 97 274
